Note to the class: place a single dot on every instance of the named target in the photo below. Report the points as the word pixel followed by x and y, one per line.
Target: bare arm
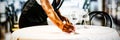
pixel 51 13
pixel 54 17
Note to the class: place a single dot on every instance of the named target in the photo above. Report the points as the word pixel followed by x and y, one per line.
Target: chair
pixel 100 14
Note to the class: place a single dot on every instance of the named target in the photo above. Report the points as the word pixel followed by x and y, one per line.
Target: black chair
pixel 105 17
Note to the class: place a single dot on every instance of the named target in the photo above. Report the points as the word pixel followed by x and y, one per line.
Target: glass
pixel 86 20
pixel 73 18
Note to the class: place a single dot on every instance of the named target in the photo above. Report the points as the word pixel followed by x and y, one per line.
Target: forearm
pixel 51 13
pixel 59 14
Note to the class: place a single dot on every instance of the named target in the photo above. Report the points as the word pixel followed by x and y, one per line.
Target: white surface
pixel 52 32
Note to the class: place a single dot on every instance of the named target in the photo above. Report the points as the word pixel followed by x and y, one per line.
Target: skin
pixel 65 27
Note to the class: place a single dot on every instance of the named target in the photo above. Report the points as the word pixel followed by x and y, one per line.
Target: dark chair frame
pixel 106 17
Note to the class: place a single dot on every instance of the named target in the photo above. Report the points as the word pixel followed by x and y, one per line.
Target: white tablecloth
pixel 51 32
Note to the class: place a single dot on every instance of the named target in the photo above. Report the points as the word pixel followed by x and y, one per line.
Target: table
pixel 51 32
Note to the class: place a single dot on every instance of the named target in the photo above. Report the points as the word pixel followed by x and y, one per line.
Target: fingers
pixel 68 28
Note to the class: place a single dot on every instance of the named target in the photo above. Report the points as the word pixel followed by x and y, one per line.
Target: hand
pixel 68 27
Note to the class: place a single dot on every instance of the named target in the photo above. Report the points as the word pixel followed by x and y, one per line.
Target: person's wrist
pixel 60 25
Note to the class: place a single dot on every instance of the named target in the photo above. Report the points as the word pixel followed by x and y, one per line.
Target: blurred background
pixel 79 12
